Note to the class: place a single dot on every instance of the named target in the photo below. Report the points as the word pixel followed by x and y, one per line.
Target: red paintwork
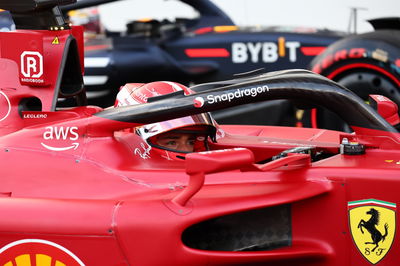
pixel 312 51
pixel 97 47
pixel 387 109
pixel 210 52
pixel 106 205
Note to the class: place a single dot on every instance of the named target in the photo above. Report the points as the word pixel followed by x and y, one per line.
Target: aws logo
pixel 373 225
pixel 63 135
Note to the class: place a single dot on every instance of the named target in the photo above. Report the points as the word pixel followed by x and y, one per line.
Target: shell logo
pixel 37 252
pixel 198 102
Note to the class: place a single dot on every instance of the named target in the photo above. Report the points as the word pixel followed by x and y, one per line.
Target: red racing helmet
pixel 202 126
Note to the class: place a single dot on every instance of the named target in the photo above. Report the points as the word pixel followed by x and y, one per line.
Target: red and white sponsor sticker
pixel 32 67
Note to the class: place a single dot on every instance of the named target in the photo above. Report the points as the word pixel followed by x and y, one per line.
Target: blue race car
pixel 209 47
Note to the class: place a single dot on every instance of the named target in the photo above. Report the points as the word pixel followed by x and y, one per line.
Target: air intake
pixel 254 230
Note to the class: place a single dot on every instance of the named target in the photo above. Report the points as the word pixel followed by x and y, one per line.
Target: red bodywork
pixel 77 190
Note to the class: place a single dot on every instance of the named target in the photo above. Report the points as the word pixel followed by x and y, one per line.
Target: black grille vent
pixel 255 230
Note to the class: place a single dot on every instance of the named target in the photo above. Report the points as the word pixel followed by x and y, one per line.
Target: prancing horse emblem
pixel 370 226
pixel 372 223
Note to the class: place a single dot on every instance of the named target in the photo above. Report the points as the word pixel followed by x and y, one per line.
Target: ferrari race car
pixel 206 48
pixel 78 187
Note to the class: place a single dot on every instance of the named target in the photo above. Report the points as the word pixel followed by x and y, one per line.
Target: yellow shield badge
pixel 372 224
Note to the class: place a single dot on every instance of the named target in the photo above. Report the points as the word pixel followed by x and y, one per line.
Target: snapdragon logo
pixel 198 102
pixel 253 92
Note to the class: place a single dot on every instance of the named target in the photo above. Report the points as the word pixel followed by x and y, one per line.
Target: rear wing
pixel 41 61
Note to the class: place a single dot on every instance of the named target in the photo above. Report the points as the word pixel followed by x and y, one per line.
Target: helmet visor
pixel 151 130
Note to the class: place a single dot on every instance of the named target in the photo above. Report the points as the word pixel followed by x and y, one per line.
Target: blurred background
pixel 342 15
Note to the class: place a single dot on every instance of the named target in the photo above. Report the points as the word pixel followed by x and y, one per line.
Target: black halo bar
pixel 297 85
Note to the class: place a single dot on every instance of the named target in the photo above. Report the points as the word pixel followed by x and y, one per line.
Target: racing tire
pixel 366 64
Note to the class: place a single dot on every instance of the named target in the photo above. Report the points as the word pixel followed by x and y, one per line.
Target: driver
pixel 171 139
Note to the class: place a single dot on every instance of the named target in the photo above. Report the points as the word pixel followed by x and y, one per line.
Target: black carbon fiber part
pixel 255 230
pixel 300 85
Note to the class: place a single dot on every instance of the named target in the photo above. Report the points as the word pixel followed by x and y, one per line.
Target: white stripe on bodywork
pixel 95 80
pixel 96 61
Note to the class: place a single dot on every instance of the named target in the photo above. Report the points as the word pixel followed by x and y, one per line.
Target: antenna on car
pixel 353 19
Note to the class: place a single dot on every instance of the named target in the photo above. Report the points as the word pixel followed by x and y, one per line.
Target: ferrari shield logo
pixel 372 225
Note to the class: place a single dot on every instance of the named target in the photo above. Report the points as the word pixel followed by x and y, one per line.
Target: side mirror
pixel 385 107
pixel 201 163
pixel 218 161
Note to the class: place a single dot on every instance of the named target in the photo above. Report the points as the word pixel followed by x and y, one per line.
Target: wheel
pixel 365 64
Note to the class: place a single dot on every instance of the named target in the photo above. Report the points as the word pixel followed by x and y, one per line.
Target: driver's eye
pixel 171 144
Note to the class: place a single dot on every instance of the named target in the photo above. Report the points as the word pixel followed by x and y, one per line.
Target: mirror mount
pixel 202 163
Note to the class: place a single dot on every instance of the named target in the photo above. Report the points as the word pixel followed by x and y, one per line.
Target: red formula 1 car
pixel 77 188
